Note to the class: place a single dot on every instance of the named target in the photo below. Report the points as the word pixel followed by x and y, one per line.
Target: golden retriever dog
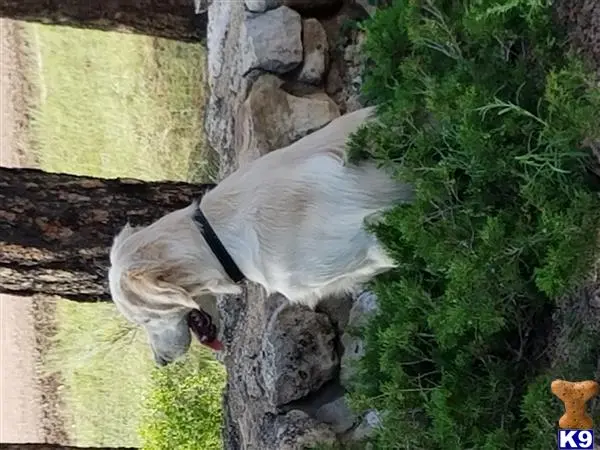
pixel 291 221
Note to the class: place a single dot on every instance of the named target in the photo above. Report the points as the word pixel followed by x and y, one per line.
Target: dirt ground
pixel 28 402
pixel 12 106
pixel 20 408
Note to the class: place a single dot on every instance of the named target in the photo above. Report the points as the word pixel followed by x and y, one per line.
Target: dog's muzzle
pixel 202 326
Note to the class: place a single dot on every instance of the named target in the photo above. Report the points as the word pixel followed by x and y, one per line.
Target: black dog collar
pixel 217 247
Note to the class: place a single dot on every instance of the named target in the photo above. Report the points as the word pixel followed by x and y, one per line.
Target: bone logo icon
pixel 575 425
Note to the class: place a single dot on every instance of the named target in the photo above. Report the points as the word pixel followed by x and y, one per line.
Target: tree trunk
pixel 56 447
pixel 56 229
pixel 173 19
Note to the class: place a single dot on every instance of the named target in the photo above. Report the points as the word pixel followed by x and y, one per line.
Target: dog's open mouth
pixel 200 322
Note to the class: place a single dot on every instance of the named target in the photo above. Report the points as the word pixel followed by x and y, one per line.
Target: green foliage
pixel 483 109
pixel 183 408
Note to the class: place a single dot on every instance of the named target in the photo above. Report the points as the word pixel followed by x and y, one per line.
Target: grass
pixel 183 409
pixel 106 367
pixel 113 391
pixel 112 105
pixel 117 105
pixel 486 112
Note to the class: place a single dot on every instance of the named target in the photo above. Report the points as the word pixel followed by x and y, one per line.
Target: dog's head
pixel 164 278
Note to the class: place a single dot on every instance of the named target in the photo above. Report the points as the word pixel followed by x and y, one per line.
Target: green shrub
pixel 484 110
pixel 183 408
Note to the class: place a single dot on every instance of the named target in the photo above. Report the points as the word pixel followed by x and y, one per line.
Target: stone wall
pixel 276 74
pixel 277 71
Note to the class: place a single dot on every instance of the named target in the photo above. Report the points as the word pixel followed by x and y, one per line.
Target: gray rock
pixel 227 86
pixel 370 421
pixel 255 371
pixel 298 354
pixel 316 52
pixel 337 414
pixel 294 430
pixel 364 307
pixel 297 431
pixel 368 6
pixel 270 118
pixel 272 41
pixel 259 6
pixel 337 309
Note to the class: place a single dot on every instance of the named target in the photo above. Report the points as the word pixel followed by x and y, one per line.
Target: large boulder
pixel 298 353
pixel 227 86
pixel 270 118
pixel 278 355
pixel 272 41
pixel 282 363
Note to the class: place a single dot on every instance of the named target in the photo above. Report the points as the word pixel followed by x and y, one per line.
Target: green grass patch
pixel 105 365
pixel 183 410
pixel 117 105
pixel 117 397
pixel 113 105
pixel 484 110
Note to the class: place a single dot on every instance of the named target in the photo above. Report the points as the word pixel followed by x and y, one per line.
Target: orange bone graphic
pixel 575 395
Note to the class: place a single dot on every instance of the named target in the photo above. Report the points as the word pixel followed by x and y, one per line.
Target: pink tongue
pixel 215 345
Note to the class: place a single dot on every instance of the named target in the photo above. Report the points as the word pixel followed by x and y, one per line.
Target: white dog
pixel 292 221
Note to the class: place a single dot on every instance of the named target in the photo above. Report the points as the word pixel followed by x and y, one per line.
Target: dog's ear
pixel 158 293
pixel 127 231
pixel 123 234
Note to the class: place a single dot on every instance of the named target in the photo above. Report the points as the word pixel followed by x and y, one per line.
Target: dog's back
pixel 298 214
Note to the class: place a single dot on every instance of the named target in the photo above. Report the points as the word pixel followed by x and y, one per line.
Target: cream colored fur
pixel 293 221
